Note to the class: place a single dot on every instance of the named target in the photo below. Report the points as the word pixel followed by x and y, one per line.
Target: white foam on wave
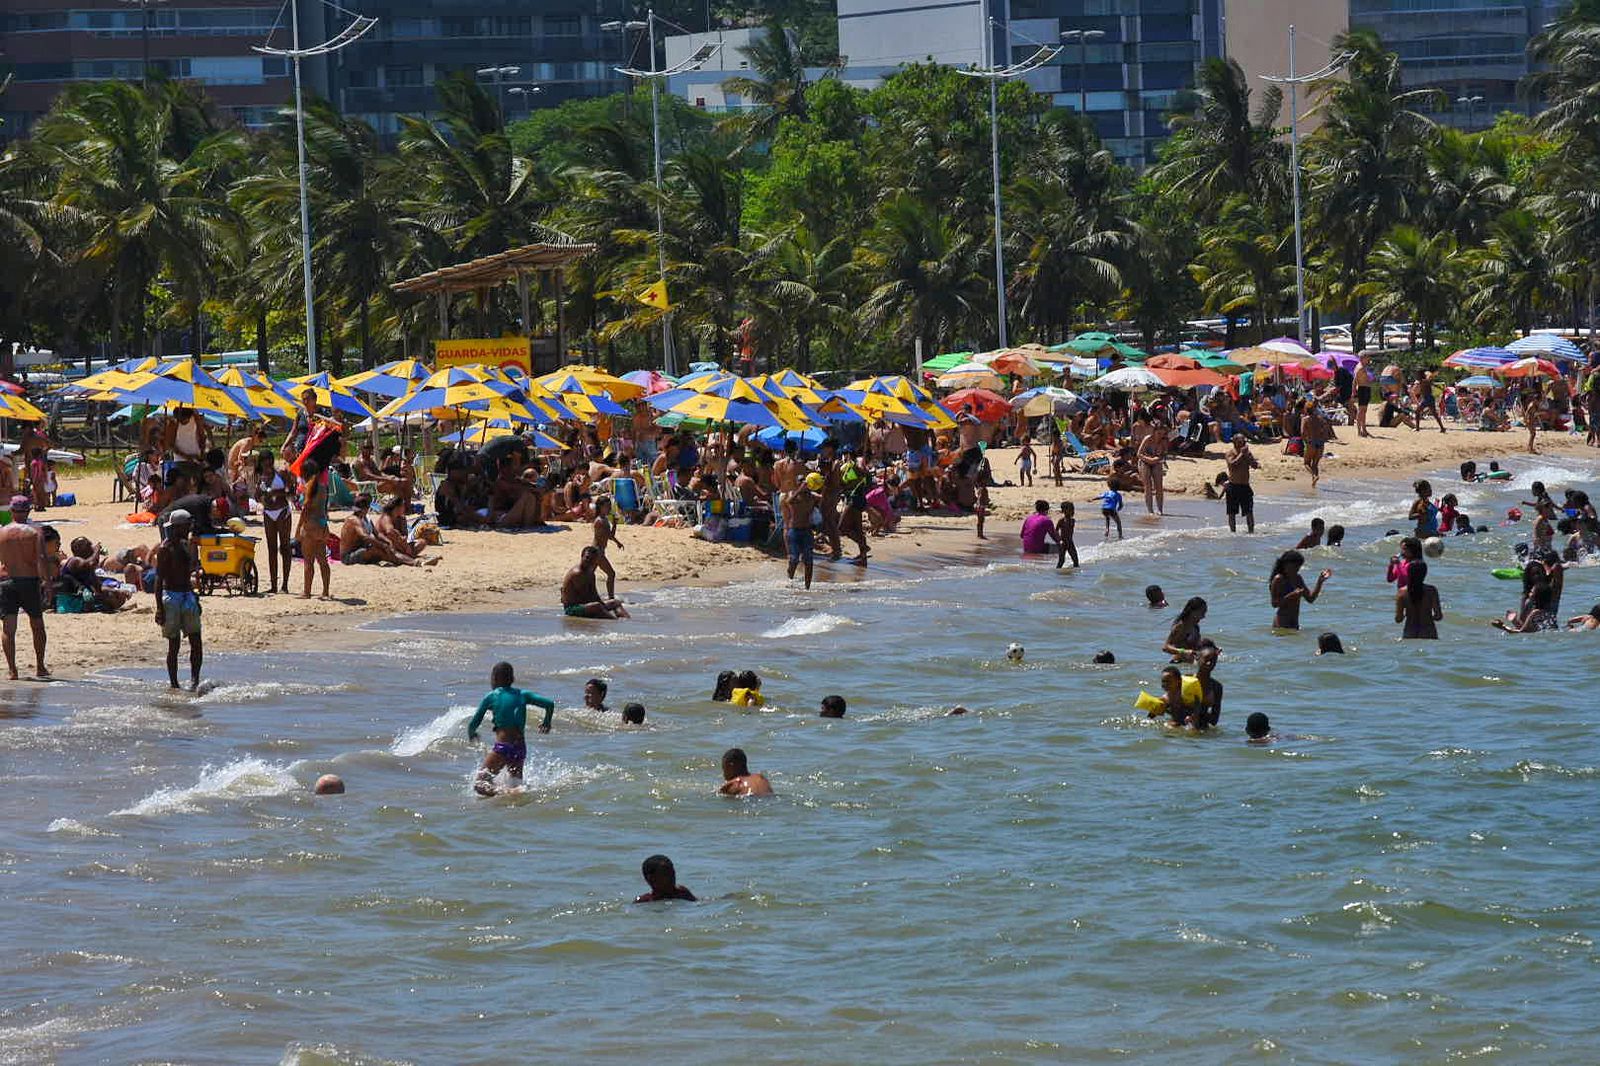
pixel 418 739
pixel 1363 511
pixel 299 1054
pixel 247 778
pixel 251 692
pixel 73 827
pixel 808 626
pixel 550 774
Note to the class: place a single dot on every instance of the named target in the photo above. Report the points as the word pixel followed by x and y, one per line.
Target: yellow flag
pixel 656 296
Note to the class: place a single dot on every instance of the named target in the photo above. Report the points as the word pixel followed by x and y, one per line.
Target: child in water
pixel 1258 728
pixel 737 780
pixel 747 691
pixel 510 707
pixel 594 695
pixel 662 877
pixel 1314 538
pixel 1110 504
pixel 1064 546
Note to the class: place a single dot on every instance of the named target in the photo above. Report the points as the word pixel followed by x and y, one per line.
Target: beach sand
pixel 492 570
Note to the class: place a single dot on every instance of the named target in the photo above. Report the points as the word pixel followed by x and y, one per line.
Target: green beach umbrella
pixel 940 363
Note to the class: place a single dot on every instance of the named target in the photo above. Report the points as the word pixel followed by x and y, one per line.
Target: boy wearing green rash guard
pixel 510 719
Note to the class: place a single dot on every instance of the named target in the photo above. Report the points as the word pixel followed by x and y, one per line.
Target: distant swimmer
pixel 510 708
pixel 737 780
pixel 1210 688
pixel 1178 711
pixel 1335 536
pixel 662 877
pixel 1154 598
pixel 747 690
pixel 633 714
pixel 1183 640
pixel 1288 588
pixel 832 707
pixel 1329 644
pixel 1258 729
pixel 594 695
pixel 329 785
pixel 579 596
pixel 1312 539
pixel 1104 658
pixel 1417 605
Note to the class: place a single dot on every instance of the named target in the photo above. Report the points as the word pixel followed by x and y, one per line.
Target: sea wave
pixel 418 739
pixel 246 778
pixel 809 626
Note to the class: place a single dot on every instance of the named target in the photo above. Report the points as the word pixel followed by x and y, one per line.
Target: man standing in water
pixel 799 513
pixel 177 607
pixel 21 588
pixel 580 598
pixel 1239 498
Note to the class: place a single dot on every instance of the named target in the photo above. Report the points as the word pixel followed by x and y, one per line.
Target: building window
pixel 402 77
pixel 562 25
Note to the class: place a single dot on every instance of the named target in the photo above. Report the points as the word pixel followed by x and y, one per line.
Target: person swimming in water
pixel 510 720
pixel 1183 640
pixel 662 877
pixel 737 780
pixel 1329 644
pixel 1154 597
pixel 832 707
pixel 1586 621
pixel 633 714
pixel 1417 605
pixel 1258 729
pixel 594 695
pixel 1288 589
pixel 1178 711
pixel 1312 539
pixel 1210 711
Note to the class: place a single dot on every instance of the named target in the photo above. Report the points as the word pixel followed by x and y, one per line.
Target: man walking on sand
pixel 22 583
pixel 177 606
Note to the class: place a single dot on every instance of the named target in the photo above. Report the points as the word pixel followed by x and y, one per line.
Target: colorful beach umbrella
pixel 492 429
pixel 331 396
pixel 590 380
pixel 1188 379
pixel 653 382
pixel 1044 400
pixel 391 379
pixel 1478 381
pixel 1280 351
pixel 14 406
pixel 1527 368
pixel 970 376
pixel 981 404
pixel 160 390
pixel 1219 363
pixel 708 408
pixel 1548 345
pixel 1480 358
pixel 940 363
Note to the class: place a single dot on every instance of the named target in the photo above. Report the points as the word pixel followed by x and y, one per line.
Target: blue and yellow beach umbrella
pixel 391 379
pixel 331 395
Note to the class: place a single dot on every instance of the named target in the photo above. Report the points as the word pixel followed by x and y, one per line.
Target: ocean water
pixel 1406 876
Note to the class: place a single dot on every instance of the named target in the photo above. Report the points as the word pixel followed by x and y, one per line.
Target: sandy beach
pixel 493 570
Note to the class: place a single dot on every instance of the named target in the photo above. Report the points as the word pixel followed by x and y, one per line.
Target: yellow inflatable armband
pixel 1149 704
pixel 747 697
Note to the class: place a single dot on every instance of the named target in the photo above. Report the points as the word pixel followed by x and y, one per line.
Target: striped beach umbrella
pixel 1548 346
pixel 1480 358
pixel 331 396
pixel 390 379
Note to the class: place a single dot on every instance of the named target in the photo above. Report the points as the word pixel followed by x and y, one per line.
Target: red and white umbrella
pixel 1527 368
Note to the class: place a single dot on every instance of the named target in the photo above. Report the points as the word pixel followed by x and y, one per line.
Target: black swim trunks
pixel 1363 395
pixel 1239 500
pixel 21 594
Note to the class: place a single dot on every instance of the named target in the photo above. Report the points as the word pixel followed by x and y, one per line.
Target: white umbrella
pixel 1549 345
pixel 1129 379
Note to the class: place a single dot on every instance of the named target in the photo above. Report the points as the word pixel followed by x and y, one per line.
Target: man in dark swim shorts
pixel 22 556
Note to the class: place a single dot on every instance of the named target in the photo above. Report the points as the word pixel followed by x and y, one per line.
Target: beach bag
pixel 1294 446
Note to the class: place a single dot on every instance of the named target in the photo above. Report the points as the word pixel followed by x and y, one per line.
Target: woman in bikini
pixel 272 490
pixel 313 528
pixel 1152 457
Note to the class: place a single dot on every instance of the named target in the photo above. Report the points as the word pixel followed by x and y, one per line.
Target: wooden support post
pixel 561 316
pixel 522 300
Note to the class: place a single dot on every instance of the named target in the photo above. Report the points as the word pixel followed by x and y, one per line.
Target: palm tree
pixel 1567 77
pixel 1512 275
pixel 1062 257
pixel 1466 183
pixel 1222 148
pixel 1365 160
pixel 808 290
pixel 145 213
pixel 1411 277
pixel 1243 266
pixel 924 273
pixel 777 91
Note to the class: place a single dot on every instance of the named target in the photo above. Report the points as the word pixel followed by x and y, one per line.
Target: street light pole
pixel 1472 103
pixel 525 91
pixel 347 36
pixel 1083 37
pixel 994 75
pixel 1294 81
pixel 655 74
pixel 144 35
pixel 499 97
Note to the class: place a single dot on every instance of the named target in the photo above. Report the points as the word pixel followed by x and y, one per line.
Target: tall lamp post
pixel 347 36
pixel 1294 81
pixel 994 75
pixel 1471 103
pixel 499 97
pixel 525 93
pixel 655 76
pixel 144 34
pixel 1083 37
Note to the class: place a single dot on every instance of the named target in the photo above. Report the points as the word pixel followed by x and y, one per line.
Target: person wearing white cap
pixel 177 606
pixel 22 556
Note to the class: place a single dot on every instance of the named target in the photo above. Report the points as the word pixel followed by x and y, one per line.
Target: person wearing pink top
pixel 1037 529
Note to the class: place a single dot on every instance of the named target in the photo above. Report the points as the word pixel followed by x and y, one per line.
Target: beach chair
pixel 1093 462
pixel 122 487
pixel 624 491
pixel 667 503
